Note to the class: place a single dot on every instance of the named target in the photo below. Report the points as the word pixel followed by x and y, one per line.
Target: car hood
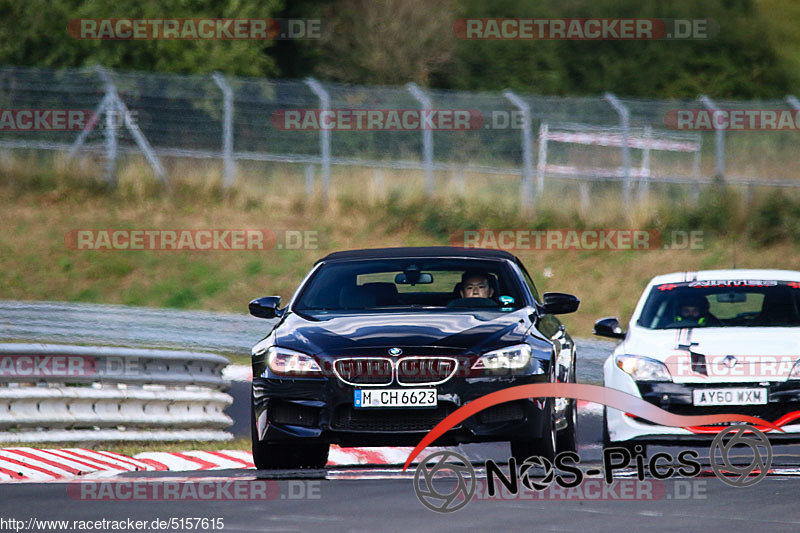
pixel 463 332
pixel 761 354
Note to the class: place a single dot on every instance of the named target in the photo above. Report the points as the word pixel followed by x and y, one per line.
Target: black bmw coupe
pixel 378 346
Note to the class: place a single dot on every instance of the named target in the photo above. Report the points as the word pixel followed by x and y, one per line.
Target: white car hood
pixel 762 354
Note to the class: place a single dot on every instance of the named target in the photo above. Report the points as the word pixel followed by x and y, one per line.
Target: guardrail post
pixel 229 174
pixel 324 135
pixel 625 124
pixel 427 137
pixel 719 135
pixel 527 148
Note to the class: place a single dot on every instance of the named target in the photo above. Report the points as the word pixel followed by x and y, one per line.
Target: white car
pixel 715 341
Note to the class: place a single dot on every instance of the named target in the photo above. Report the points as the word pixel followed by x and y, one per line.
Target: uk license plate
pixel 737 396
pixel 395 398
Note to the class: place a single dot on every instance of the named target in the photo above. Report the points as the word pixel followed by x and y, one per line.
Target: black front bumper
pixel 322 409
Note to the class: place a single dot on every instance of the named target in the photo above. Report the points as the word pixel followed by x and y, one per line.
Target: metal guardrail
pixel 73 393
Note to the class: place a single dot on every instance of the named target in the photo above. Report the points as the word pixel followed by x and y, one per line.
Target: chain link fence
pixel 530 143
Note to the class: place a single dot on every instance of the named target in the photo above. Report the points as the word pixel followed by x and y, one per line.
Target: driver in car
pixel 694 311
pixel 476 285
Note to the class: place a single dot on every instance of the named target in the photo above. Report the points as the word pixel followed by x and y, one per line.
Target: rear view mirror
pixel 731 297
pixel 406 278
pixel 609 327
pixel 266 307
pixel 559 303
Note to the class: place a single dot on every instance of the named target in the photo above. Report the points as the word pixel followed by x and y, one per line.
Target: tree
pixel 386 42
pixel 34 33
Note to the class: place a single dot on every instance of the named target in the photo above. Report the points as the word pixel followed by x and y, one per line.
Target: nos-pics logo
pixel 446 481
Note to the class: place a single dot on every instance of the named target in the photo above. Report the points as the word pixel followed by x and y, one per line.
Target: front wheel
pixel 544 446
pixel 272 456
pixel 627 444
pixel 566 439
pixel 287 454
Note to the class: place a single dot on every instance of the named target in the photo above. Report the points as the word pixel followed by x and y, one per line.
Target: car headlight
pixel 510 358
pixel 795 373
pixel 283 361
pixel 643 368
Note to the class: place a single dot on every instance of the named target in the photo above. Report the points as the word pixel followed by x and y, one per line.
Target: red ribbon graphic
pixel 580 391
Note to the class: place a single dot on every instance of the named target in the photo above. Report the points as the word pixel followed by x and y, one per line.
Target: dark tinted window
pixel 402 284
pixel 722 304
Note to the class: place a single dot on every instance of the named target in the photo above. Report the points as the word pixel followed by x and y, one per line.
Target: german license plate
pixel 395 398
pixel 729 396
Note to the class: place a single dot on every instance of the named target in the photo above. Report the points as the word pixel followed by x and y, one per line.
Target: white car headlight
pixel 795 373
pixel 283 361
pixel 511 358
pixel 643 368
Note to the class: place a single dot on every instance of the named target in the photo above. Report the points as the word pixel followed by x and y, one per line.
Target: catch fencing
pixel 236 121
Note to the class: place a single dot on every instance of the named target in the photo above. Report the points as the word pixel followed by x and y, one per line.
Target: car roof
pixel 728 274
pixel 418 251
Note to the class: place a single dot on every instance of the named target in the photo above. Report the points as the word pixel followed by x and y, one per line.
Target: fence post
pixel 527 155
pixel 99 110
pixel 309 180
pixel 719 135
pixel 112 104
pixel 229 174
pixel 458 174
pixel 583 190
pixel 427 137
pixel 111 128
pixel 324 135
pixel 644 186
pixel 625 123
pixel 378 184
pixel 541 162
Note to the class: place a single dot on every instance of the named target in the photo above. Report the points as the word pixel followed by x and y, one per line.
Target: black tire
pixel 544 446
pixel 286 455
pixel 567 439
pixel 629 445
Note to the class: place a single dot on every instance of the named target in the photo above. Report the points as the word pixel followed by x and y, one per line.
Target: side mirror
pixel 266 307
pixel 609 327
pixel 559 303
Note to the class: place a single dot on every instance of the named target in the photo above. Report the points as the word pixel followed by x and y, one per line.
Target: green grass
pixel 39 207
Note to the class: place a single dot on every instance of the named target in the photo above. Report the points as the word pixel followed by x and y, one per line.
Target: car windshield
pixel 400 285
pixel 722 303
